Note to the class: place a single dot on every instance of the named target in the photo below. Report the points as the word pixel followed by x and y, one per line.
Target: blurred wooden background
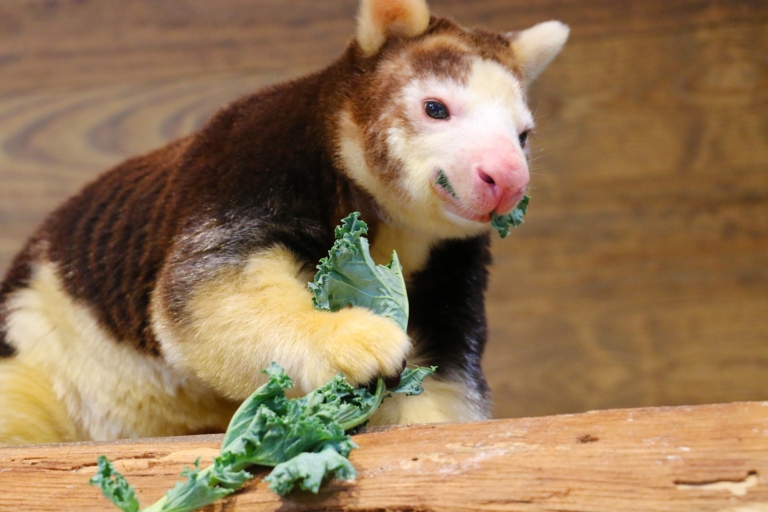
pixel 641 275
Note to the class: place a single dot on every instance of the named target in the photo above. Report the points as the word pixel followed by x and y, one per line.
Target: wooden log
pixel 700 458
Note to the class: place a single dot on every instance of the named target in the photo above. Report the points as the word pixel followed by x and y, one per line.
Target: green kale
pixel 411 380
pixel 114 486
pixel 349 276
pixel 201 487
pixel 501 223
pixel 308 470
pixel 304 439
pixel 442 180
pixel 514 218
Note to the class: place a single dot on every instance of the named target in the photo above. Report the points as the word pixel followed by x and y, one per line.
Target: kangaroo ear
pixel 380 19
pixel 537 46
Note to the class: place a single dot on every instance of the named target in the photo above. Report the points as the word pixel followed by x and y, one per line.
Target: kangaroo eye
pixel 523 138
pixel 436 110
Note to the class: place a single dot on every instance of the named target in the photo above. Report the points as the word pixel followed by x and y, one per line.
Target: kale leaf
pixel 114 487
pixel 304 439
pixel 514 218
pixel 308 470
pixel 349 276
pixel 442 180
pixel 201 487
pixel 412 378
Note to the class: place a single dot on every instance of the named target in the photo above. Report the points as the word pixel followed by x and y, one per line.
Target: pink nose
pixel 501 180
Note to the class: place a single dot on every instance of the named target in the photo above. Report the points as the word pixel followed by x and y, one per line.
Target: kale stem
pixel 179 507
pixel 156 506
pixel 364 414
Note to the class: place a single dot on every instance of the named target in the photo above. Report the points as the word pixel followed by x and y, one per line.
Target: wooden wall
pixel 641 275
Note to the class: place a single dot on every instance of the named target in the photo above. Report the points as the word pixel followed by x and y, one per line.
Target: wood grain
pixel 704 458
pixel 641 275
pixel 50 43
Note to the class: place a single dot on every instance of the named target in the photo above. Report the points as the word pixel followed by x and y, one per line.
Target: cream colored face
pixel 463 151
pixel 453 145
pixel 438 134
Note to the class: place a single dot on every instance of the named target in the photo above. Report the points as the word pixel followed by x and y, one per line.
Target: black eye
pixel 523 138
pixel 436 110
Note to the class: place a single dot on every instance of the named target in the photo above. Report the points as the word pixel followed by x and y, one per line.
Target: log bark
pixel 700 458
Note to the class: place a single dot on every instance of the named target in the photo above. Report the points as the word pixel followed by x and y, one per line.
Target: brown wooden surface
pixel 641 275
pixel 703 458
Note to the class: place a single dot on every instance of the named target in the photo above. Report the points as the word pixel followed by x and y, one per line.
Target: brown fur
pixel 103 257
pixel 197 254
pixel 105 260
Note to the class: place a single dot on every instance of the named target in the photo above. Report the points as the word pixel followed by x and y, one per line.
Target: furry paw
pixel 359 344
